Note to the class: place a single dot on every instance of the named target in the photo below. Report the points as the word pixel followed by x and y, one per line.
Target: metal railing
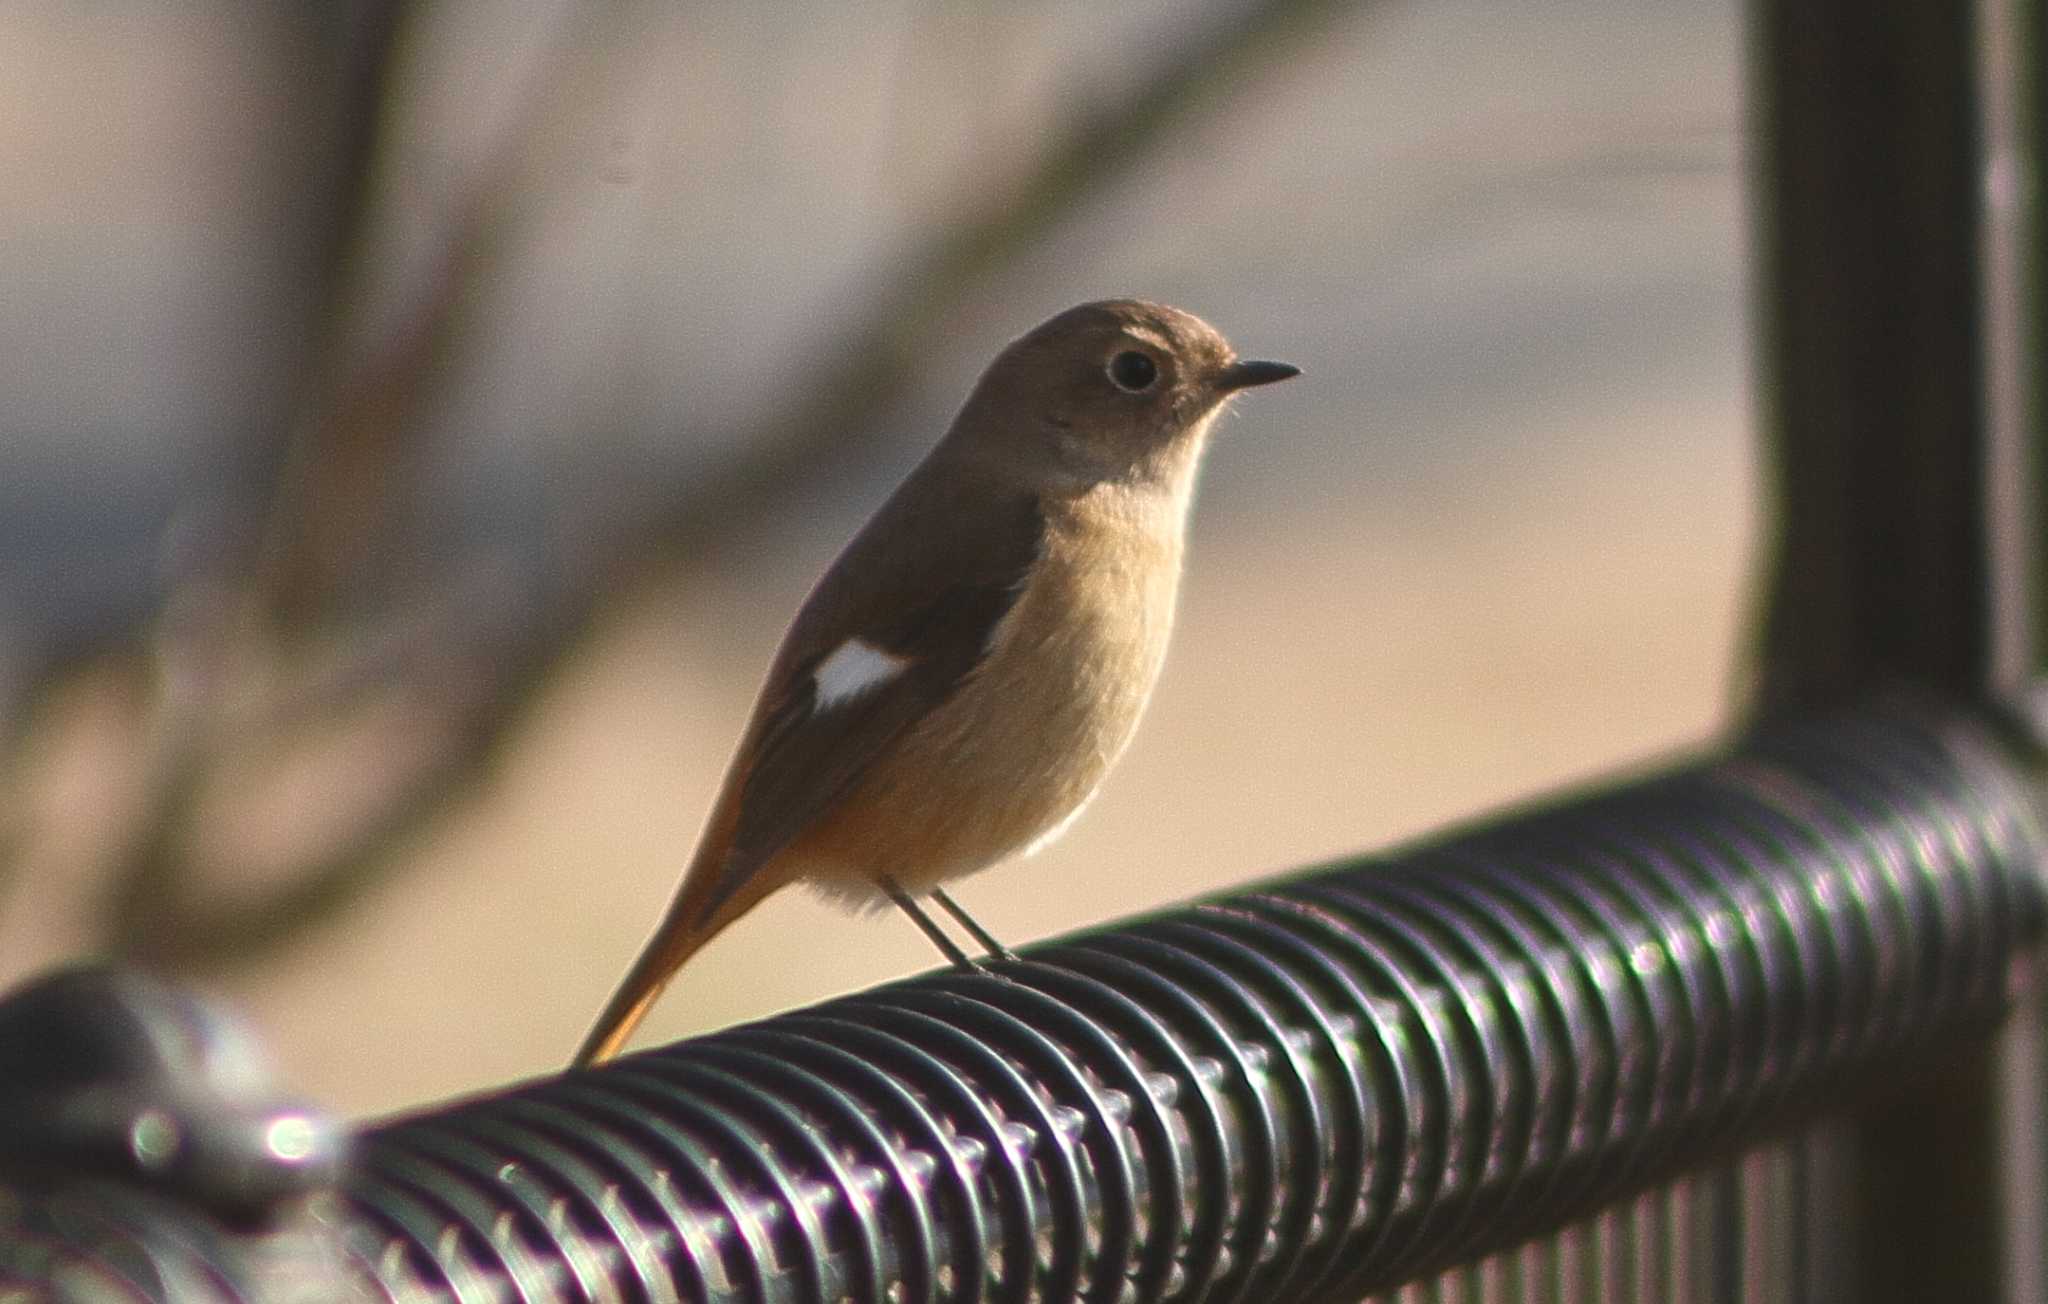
pixel 1313 1090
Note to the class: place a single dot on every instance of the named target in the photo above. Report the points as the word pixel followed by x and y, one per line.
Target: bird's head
pixel 1115 389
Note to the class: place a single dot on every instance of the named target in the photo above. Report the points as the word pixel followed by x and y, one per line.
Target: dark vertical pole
pixel 1894 541
pixel 1868 180
pixel 2012 242
pixel 2024 36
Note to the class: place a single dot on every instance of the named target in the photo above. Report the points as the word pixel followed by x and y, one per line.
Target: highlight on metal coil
pixel 1312 1090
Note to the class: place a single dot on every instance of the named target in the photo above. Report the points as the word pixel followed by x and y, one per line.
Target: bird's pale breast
pixel 1019 750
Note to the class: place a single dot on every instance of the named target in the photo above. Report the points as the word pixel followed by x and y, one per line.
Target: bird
pixel 964 675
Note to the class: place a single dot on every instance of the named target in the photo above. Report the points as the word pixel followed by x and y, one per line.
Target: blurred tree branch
pixel 465 660
pixel 334 488
pixel 186 643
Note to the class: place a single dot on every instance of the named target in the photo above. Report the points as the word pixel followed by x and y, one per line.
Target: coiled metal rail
pixel 1311 1090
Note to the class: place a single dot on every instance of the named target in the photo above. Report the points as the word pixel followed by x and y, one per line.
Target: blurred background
pixel 417 421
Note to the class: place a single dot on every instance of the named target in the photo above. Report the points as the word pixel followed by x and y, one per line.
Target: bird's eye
pixel 1132 371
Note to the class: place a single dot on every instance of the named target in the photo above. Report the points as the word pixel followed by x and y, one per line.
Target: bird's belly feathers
pixel 1053 705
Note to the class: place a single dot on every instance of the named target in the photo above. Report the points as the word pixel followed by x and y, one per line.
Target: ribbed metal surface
pixel 1776 1226
pixel 1313 1091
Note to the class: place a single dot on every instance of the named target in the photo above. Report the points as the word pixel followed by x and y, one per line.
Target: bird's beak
pixel 1244 375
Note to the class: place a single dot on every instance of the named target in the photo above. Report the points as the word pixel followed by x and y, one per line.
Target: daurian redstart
pixel 965 674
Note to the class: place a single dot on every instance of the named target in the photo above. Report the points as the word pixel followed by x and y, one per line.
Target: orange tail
pixel 692 920
pixel 678 938
pixel 642 987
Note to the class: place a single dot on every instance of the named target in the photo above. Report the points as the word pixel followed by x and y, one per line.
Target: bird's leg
pixel 946 945
pixel 982 937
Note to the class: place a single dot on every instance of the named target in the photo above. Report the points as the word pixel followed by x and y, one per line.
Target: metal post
pixel 1873 363
pixel 1896 395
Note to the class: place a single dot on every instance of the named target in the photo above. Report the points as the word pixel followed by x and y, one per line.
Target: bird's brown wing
pixel 927 581
pixel 937 612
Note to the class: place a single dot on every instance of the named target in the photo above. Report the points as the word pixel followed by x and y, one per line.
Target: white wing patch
pixel 855 667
